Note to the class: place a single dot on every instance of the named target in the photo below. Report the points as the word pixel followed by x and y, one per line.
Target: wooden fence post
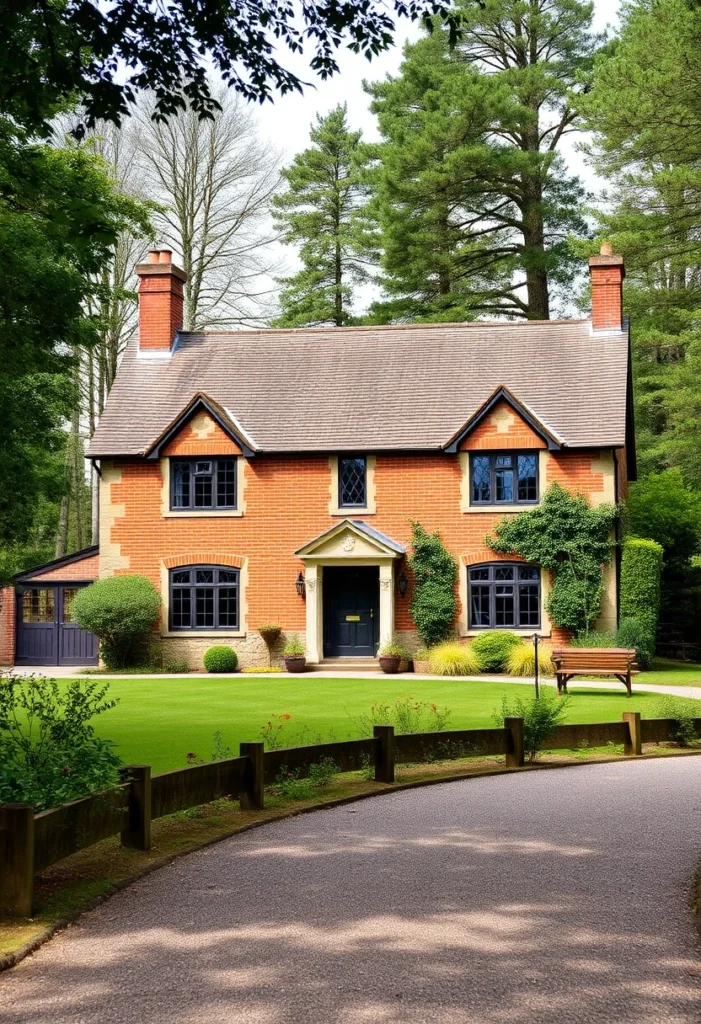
pixel 16 860
pixel 385 753
pixel 514 742
pixel 634 743
pixel 251 796
pixel 137 834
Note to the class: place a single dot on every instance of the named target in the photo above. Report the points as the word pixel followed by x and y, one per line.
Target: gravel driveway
pixel 554 897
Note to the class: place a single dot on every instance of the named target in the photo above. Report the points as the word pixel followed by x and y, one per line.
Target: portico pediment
pixel 351 539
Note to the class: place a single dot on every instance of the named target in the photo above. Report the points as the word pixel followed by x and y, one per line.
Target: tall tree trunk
pixel 534 246
pixel 62 531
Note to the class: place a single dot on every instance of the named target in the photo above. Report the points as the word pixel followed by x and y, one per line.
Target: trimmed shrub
pixel 641 569
pixel 493 649
pixel 521 661
pixel 220 659
pixel 121 611
pixel 632 633
pixel 453 659
pixel 435 573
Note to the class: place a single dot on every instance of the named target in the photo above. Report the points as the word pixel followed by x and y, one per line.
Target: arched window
pixel 204 597
pixel 504 595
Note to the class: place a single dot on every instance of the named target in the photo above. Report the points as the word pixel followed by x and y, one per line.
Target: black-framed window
pixel 504 478
pixel 352 481
pixel 504 595
pixel 204 597
pixel 201 484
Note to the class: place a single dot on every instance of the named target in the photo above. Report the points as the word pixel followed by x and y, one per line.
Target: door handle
pixel 372 613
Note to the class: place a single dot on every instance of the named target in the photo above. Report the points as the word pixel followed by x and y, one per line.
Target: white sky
pixel 286 122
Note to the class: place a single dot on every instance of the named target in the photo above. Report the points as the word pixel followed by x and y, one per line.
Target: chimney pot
pixel 153 256
pixel 166 256
pixel 606 249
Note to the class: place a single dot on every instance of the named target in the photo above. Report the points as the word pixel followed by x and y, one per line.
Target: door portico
pixel 350 544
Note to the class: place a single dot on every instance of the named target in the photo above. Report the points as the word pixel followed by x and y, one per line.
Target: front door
pixel 351 611
pixel 46 634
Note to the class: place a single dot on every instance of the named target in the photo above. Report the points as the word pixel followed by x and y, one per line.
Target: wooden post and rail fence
pixel 30 843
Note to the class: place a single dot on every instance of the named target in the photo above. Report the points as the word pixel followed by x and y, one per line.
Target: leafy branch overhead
pixel 572 540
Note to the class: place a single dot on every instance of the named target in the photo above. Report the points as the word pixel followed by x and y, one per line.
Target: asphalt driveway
pixel 554 897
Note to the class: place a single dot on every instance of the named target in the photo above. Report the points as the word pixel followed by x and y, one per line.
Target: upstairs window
pixel 504 478
pixel 503 595
pixel 204 597
pixel 352 481
pixel 201 484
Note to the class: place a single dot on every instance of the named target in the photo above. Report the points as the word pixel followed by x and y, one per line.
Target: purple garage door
pixel 45 633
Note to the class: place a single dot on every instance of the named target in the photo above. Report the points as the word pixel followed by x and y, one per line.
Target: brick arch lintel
pixel 475 556
pixel 204 558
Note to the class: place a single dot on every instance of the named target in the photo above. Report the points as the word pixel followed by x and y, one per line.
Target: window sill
pixel 501 508
pixel 207 634
pixel 519 631
pixel 349 513
pixel 211 513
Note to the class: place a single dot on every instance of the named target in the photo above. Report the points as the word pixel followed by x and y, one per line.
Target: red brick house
pixel 271 476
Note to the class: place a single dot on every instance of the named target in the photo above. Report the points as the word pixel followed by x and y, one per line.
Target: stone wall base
pixel 251 649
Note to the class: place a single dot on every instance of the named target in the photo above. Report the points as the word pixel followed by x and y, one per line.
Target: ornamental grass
pixel 521 661
pixel 453 659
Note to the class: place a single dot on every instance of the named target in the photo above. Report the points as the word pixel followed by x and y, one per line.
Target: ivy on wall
pixel 435 571
pixel 572 540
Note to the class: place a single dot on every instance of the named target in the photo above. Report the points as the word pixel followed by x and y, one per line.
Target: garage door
pixel 46 634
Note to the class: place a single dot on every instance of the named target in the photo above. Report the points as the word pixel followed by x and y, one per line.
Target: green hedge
pixel 493 649
pixel 641 569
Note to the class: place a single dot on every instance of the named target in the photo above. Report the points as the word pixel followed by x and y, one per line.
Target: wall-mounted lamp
pixel 299 584
pixel 402 584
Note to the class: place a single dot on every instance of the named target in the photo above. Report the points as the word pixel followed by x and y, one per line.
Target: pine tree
pixel 322 212
pixel 473 201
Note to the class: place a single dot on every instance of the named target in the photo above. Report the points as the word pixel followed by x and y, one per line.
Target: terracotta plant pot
pixel 389 663
pixel 295 663
pixel 423 668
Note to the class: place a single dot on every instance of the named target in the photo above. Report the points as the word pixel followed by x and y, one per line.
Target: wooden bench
pixel 594 661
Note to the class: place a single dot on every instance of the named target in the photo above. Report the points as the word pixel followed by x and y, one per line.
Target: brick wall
pixel 287 505
pixel 84 569
pixel 7 625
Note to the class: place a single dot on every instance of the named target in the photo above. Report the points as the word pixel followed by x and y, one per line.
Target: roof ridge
pixel 362 328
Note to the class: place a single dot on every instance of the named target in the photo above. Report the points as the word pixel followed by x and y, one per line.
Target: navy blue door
pixel 351 611
pixel 45 633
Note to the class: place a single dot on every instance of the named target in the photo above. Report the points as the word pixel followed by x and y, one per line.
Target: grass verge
pixel 78 883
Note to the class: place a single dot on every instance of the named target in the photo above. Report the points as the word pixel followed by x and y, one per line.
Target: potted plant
pixel 421 662
pixel 391 655
pixel 270 633
pixel 293 654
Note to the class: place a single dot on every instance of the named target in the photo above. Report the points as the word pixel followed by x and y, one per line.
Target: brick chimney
pixel 160 301
pixel 607 272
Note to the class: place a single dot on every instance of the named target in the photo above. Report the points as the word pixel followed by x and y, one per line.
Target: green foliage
pixel 631 634
pixel 292 786
pixel 121 611
pixel 471 198
pixel 683 712
pixel 406 714
pixel 454 659
pixel 641 569
pixel 60 215
pixel 540 716
pixel 393 649
pixel 663 508
pixel 435 571
pixel 271 633
pixel 220 658
pixel 294 647
pixel 521 660
pixel 493 649
pixel 58 52
pixel 570 539
pixel 321 211
pixel 49 752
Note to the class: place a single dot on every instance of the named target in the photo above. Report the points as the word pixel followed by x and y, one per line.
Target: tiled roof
pixel 365 388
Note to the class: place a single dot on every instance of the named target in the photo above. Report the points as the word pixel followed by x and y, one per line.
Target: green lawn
pixel 158 721
pixel 672 673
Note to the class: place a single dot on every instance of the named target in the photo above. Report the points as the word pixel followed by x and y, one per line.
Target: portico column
pixel 312 581
pixel 386 602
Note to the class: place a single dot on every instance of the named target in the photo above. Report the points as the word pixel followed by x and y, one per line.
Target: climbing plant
pixel 435 571
pixel 572 540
